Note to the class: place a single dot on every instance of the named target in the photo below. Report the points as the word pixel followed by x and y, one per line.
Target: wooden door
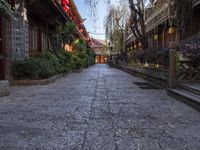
pixel 98 59
pixel 1 53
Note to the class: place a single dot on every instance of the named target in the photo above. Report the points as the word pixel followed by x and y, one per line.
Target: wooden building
pixel 160 22
pixel 195 18
pixel 100 51
pixel 28 33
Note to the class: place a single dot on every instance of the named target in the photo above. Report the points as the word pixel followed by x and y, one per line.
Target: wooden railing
pixel 188 71
pixel 183 70
pixel 196 2
pixel 158 16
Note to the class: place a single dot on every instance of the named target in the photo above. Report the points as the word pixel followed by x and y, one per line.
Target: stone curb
pixel 43 81
pixel 76 71
pixel 158 77
pixel 4 88
pixel 38 82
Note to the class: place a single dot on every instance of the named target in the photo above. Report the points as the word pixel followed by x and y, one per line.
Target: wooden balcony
pixel 196 2
pixel 159 15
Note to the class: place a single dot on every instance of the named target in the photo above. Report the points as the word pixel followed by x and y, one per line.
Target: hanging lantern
pixel 135 46
pixel 171 30
pixel 140 44
pixel 155 37
pixel 68 48
pixel 66 8
pixel 81 30
pixel 64 2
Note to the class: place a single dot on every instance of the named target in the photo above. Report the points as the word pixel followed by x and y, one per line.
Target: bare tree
pixel 110 22
pixel 115 23
pixel 93 10
pixel 137 21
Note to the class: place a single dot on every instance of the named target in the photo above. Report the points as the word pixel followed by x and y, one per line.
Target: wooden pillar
pixel 172 64
pixel 163 37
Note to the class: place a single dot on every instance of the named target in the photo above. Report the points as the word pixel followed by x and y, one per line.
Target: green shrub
pixel 78 62
pixel 25 69
pixel 54 62
pixel 45 66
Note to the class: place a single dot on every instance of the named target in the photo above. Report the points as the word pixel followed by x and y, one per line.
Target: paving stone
pixel 97 109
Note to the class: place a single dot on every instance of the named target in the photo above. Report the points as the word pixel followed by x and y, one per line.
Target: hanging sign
pixel 155 37
pixel 171 30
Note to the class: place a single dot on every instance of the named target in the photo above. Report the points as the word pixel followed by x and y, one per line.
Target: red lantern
pixel 81 30
pixel 64 2
pixel 66 8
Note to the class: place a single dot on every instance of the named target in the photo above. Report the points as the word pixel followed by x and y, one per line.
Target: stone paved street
pixel 98 109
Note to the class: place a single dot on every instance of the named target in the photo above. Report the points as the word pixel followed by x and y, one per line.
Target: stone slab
pixel 4 88
pixel 73 114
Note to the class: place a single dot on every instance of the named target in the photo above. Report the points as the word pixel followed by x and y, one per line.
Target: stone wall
pixel 16 40
pixel 20 43
pixel 158 76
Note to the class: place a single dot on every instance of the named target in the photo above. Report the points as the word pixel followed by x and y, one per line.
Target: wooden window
pixel 33 39
pixel 44 41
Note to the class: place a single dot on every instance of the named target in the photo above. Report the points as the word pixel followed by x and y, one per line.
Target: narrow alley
pixel 98 109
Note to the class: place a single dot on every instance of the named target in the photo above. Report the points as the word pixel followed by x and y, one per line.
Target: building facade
pixel 160 18
pixel 100 50
pixel 27 33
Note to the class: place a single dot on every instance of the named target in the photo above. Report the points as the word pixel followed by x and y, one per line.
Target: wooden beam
pixel 32 2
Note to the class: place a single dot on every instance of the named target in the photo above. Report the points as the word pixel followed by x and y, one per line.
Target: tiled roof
pixel 95 43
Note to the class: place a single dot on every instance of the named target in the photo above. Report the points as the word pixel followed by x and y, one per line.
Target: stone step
pixel 185 96
pixel 191 87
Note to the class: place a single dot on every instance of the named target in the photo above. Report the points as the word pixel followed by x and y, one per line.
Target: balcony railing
pixel 159 15
pixel 196 2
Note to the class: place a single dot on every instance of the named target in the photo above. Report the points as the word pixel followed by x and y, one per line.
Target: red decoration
pixel 81 30
pixel 66 8
pixel 64 2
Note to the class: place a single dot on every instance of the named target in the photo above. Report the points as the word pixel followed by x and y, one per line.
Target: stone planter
pixel 159 76
pixel 4 88
pixel 77 71
pixel 38 82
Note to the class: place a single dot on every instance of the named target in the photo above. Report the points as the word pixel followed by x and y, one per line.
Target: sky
pixel 97 31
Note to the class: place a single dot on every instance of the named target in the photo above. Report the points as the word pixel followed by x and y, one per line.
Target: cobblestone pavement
pixel 98 109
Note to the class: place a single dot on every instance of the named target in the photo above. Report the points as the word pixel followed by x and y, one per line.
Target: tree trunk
pixel 138 24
